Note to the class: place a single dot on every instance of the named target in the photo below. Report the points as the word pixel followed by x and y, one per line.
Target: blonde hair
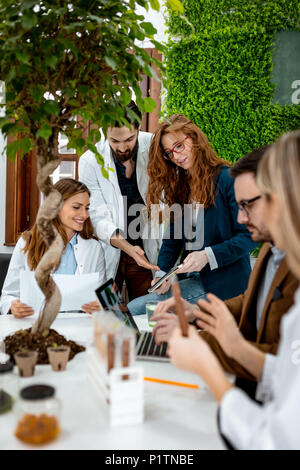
pixel 279 173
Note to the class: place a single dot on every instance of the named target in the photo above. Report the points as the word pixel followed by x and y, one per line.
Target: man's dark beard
pixel 123 157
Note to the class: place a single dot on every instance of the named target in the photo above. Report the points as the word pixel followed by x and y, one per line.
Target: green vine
pixel 219 66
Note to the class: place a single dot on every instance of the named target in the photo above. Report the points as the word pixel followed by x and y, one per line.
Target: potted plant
pixel 58 356
pixel 61 60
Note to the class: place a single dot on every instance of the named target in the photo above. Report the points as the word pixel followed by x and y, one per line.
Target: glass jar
pixel 37 414
pixel 8 385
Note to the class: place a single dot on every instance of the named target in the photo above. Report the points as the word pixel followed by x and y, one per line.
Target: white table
pixel 176 418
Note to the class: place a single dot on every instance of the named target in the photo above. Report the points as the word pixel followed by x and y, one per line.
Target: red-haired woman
pixel 213 247
pixel 83 252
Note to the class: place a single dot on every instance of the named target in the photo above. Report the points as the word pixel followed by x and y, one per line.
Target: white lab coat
pixel 89 256
pixel 106 202
pixel 275 425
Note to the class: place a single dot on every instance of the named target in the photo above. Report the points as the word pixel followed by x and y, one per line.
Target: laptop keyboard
pixel 147 348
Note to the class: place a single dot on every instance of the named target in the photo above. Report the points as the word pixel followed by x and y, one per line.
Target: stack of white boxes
pixel 122 389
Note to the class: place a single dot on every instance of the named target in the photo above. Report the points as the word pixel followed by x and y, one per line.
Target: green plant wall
pixel 219 66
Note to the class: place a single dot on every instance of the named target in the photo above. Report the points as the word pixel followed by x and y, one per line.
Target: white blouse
pixel 275 424
pixel 89 256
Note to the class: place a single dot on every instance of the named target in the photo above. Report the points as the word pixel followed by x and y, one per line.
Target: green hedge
pixel 219 75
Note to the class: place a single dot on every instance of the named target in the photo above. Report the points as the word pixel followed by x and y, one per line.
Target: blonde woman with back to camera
pixel 244 423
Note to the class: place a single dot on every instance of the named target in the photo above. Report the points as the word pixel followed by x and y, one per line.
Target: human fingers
pixel 165 305
pixel 162 336
pixel 144 263
pixel 163 288
pixel 165 324
pixel 20 310
pixel 186 265
pixel 91 307
pixel 207 307
pixel 206 318
pixel 139 250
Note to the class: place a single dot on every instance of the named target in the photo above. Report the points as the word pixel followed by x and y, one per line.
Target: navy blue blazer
pixel 230 241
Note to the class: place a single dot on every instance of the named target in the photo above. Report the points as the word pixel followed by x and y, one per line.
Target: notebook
pixel 146 348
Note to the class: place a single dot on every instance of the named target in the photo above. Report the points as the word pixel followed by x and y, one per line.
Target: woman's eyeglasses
pixel 178 148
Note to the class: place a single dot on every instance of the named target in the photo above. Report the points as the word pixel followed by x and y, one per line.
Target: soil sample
pixel 38 429
pixel 24 339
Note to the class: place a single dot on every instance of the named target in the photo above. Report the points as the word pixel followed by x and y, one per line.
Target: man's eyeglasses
pixel 178 148
pixel 244 206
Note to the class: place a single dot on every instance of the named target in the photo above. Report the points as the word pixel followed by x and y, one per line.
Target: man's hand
pixel 20 310
pixel 165 324
pixel 166 321
pixel 195 261
pixel 138 255
pixel 215 318
pixel 135 251
pixel 169 306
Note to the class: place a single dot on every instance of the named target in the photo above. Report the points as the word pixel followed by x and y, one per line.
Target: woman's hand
pixel 20 310
pixel 192 353
pixel 163 288
pixel 91 307
pixel 138 255
pixel 195 261
pixel 220 323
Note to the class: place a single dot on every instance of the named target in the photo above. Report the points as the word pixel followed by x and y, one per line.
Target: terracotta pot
pixel 26 362
pixel 58 357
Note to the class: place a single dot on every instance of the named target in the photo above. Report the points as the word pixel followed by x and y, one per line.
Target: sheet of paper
pixel 76 290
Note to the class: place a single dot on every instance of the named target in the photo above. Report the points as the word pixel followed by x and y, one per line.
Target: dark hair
pixel 130 118
pixel 249 163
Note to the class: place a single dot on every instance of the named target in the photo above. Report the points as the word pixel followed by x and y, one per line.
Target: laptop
pixel 146 348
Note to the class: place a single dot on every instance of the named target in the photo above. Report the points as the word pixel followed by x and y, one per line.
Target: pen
pixel 170 382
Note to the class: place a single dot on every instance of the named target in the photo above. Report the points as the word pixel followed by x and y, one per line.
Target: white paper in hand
pixel 76 290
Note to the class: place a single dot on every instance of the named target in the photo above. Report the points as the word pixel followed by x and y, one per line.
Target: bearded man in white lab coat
pixel 118 210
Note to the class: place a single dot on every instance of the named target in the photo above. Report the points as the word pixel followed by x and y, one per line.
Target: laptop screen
pixel 109 300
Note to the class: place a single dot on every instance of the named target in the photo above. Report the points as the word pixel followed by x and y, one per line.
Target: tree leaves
pixel 149 104
pixel 176 5
pixel 44 131
pixel 22 145
pixel 84 56
pixel 155 4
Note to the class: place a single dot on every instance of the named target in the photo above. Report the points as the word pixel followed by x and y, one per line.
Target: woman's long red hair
pixel 171 184
pixel 34 243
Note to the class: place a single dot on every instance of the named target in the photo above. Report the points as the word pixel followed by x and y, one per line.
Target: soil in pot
pixel 25 340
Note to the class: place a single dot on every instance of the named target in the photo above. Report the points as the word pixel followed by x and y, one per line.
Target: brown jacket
pixel 243 308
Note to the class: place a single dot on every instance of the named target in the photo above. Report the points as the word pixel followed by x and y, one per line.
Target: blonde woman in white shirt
pixel 243 422
pixel 83 252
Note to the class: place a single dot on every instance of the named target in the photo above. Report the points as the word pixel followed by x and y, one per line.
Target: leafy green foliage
pixel 219 71
pixel 63 59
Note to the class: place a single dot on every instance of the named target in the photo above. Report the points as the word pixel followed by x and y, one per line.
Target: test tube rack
pixel 121 389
